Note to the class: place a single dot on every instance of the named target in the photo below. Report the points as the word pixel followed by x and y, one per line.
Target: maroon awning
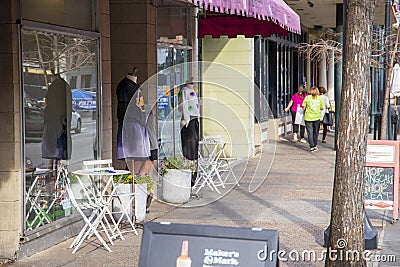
pixel 263 10
pixel 236 25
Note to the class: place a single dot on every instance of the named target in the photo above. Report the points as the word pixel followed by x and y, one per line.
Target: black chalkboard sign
pixel 186 245
pixel 379 183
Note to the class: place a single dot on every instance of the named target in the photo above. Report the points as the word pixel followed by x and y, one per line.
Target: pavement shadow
pixel 306 225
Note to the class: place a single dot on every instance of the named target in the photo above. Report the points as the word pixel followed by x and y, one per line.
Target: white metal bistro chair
pixel 225 161
pixel 37 196
pixel 124 212
pixel 99 163
pixel 95 217
pixel 208 165
pixel 103 189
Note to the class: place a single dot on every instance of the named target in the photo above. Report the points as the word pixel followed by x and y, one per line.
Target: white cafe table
pixel 97 178
pixel 96 195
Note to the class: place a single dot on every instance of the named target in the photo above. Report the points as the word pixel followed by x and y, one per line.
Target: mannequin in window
pixel 190 109
pixel 56 139
pixel 132 137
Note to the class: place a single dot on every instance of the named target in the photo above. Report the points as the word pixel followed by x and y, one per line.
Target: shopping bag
pixel 300 117
pixel 328 119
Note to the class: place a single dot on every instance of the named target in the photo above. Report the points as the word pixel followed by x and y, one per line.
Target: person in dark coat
pixel 56 139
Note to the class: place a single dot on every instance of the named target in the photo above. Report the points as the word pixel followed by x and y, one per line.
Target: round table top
pixel 100 172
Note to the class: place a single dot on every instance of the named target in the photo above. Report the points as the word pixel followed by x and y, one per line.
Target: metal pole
pixel 340 28
pixel 387 34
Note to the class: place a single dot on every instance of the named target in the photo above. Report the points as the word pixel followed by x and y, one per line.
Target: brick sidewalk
pixel 294 199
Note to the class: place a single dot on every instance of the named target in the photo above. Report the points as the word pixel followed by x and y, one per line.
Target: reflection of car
pixel 34 119
pixel 76 122
pixel 34 122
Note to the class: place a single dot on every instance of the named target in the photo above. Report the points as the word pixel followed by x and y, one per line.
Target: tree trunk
pixel 347 228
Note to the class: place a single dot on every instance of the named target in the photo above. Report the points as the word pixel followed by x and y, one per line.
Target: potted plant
pixel 143 186
pixel 124 193
pixel 177 175
pixel 76 187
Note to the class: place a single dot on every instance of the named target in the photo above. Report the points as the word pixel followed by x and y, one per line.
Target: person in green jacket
pixel 313 104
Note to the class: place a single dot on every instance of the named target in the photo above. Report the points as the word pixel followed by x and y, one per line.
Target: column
pixel 105 136
pixel 340 8
pixel 133 43
pixel 331 76
pixel 11 193
pixel 322 80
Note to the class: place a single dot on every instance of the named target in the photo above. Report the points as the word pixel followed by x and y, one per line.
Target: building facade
pixel 82 49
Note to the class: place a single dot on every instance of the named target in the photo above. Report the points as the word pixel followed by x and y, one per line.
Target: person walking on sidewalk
pixel 323 91
pixel 297 102
pixel 313 104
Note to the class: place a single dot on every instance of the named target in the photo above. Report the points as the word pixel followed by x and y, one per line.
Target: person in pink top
pixel 295 102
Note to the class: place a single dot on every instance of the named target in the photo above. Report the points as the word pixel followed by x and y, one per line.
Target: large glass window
pixel 60 88
pixel 172 75
pixel 174 25
pixel 174 39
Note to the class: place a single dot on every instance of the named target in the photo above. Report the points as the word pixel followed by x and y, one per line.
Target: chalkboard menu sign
pixel 379 183
pixel 382 176
pixel 185 245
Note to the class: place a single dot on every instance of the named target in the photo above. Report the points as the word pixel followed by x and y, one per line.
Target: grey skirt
pixel 132 141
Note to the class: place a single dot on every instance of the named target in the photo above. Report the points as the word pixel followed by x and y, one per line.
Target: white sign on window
pixel 380 153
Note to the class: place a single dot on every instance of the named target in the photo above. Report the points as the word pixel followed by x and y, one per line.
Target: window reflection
pixel 172 74
pixel 60 117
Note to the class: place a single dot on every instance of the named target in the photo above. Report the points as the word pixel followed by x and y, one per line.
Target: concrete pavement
pixel 294 198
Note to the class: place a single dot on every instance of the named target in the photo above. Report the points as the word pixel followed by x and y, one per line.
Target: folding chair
pixel 93 219
pixel 36 196
pixel 124 211
pixel 100 163
pixel 208 165
pixel 226 162
pixel 60 183
pixel 107 164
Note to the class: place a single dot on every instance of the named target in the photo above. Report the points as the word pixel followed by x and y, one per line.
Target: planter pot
pixel 122 201
pixel 77 189
pixel 78 192
pixel 140 202
pixel 177 186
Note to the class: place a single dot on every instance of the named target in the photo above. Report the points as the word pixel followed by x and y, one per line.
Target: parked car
pixel 34 121
pixel 76 122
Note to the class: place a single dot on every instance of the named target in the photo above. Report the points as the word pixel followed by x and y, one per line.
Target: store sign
pixel 162 103
pixel 84 104
pixel 380 153
pixel 207 246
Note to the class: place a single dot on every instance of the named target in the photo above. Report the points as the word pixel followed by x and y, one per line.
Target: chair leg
pixel 124 213
pixel 92 228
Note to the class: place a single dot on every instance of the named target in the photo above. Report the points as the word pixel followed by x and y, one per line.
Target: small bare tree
pixel 58 52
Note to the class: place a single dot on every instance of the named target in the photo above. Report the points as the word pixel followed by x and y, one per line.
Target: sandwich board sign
pixel 188 245
pixel 382 176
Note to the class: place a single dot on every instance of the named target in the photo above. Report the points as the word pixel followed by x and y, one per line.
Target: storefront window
pixel 174 25
pixel 172 75
pixel 60 117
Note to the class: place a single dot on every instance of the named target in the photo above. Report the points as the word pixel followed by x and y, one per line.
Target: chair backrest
pixel 101 163
pixel 213 137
